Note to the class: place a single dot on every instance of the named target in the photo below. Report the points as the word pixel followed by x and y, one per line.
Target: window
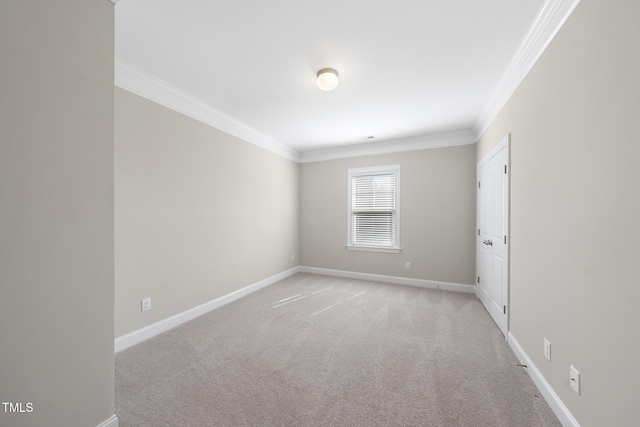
pixel 374 209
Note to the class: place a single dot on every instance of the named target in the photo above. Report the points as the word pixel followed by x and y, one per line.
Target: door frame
pixel 504 143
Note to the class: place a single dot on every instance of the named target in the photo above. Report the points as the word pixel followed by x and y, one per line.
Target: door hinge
pixel 505 168
pixel 505 240
pixel 478 231
pixel 478 279
pixel 504 309
pixel 478 184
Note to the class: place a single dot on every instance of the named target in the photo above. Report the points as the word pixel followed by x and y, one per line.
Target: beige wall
pixel 198 213
pixel 575 210
pixel 437 216
pixel 56 211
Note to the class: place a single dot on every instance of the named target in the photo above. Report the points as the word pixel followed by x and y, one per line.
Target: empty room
pixel 348 213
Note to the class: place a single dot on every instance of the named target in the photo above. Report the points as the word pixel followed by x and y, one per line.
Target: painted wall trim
pixel 550 18
pixel 546 25
pixel 112 421
pixel 436 140
pixel 447 286
pixel 142 334
pixel 148 86
pixel 562 412
pixel 135 80
pixel 114 1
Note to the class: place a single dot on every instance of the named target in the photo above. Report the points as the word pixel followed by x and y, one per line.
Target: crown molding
pixel 550 18
pixel 438 140
pixel 546 25
pixel 135 80
pixel 146 85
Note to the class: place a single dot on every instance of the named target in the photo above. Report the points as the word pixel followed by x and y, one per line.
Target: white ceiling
pixel 408 68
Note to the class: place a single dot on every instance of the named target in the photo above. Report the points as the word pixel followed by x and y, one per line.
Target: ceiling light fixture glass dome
pixel 327 79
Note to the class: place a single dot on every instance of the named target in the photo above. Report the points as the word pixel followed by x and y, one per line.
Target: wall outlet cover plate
pixel 574 379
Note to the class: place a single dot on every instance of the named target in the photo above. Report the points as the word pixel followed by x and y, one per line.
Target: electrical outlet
pixel 547 349
pixel 408 266
pixel 574 379
pixel 146 304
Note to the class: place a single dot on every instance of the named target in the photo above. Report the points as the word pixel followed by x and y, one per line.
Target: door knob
pixel 488 242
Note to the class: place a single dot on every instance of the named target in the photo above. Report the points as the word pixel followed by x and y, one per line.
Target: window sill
pixel 373 249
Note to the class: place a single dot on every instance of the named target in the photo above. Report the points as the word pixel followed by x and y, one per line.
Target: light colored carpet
pixel 323 351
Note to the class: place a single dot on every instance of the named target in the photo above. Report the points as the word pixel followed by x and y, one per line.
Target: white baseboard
pixel 142 334
pixel 111 422
pixel 557 406
pixel 164 325
pixel 392 279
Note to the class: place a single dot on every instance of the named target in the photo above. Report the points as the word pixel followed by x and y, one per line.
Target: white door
pixel 493 223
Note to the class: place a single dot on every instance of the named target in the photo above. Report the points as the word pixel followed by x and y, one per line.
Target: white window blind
pixel 374 207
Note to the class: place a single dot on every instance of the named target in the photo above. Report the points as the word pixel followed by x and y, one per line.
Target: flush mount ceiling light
pixel 327 79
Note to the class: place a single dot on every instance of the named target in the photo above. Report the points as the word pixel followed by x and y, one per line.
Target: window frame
pixel 368 171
